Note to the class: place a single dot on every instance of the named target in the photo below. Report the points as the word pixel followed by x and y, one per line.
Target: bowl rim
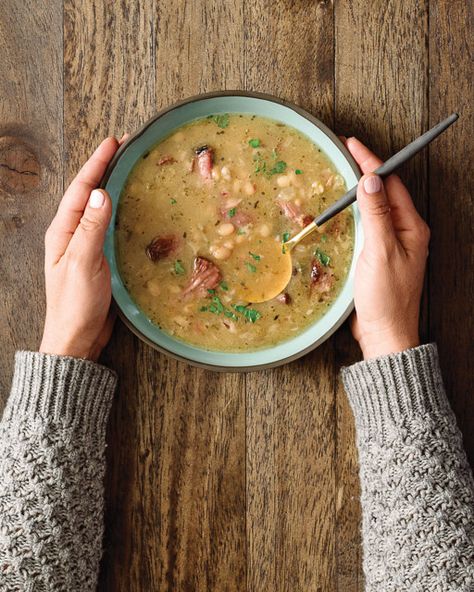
pixel 218 94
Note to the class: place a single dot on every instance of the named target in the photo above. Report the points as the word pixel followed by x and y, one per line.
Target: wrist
pixel 73 349
pixel 375 346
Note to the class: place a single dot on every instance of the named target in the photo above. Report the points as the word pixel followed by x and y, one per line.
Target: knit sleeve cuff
pixel 75 392
pixel 386 391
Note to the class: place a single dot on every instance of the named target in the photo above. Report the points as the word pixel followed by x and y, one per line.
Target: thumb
pixel 88 239
pixel 374 208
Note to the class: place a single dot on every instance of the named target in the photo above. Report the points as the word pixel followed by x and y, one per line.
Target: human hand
pixel 390 270
pixel 78 292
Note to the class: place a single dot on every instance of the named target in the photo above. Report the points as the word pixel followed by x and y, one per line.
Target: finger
pixel 403 211
pixel 366 159
pixel 75 198
pixel 374 210
pixel 124 138
pixel 87 242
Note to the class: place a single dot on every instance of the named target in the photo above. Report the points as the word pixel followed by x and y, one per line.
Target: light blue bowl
pixel 157 129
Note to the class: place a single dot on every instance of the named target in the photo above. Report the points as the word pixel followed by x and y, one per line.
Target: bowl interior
pixel 157 130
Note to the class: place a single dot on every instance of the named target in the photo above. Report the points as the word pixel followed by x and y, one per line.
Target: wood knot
pixel 19 166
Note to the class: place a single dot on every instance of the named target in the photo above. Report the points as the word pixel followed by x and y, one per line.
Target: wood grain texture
pixel 176 479
pixel 381 82
pixel 222 482
pixel 290 411
pixel 451 212
pixel 30 167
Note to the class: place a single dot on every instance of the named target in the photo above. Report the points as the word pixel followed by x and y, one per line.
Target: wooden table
pixel 222 482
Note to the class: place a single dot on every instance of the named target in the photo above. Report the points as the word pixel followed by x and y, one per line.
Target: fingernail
pixel 96 200
pixel 373 184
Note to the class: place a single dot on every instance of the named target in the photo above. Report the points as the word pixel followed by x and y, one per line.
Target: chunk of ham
pixel 167 159
pixel 160 247
pixel 294 213
pixel 205 276
pixel 239 218
pixel 322 280
pixel 283 298
pixel 205 161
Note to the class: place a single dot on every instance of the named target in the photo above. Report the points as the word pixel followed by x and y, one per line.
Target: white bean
pixel 215 174
pixel 226 173
pixel 153 287
pixel 249 188
pixel 237 186
pixel 220 253
pixel 318 187
pixel 264 230
pixel 229 244
pixel 283 181
pixel 225 229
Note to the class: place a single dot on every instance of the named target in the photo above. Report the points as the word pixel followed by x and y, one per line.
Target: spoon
pixel 275 274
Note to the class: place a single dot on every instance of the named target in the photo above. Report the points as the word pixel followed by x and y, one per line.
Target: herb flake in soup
pixel 190 208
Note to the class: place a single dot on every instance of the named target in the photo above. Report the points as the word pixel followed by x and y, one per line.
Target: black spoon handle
pixel 388 167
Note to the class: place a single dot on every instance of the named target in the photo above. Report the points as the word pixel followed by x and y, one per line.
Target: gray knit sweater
pixel 417 488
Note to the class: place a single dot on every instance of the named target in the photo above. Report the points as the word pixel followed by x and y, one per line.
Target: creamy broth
pixel 193 203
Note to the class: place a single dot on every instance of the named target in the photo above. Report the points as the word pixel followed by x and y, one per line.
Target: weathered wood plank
pixel 290 410
pixel 30 167
pixel 381 97
pixel 199 48
pixel 176 477
pixel 451 211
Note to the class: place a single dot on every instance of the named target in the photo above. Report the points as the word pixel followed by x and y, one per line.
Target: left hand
pixel 78 292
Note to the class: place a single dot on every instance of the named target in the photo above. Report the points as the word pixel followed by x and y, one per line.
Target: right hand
pixel 78 293
pixel 390 270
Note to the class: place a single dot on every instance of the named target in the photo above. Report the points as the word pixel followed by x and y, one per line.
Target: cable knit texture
pixel 417 487
pixel 52 442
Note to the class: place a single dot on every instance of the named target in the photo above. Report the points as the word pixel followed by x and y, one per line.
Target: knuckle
pixel 88 224
pixel 378 207
pixel 424 233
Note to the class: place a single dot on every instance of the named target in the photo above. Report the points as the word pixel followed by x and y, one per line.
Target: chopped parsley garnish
pixel 210 291
pixel 230 315
pixel 240 232
pixel 216 306
pixel 250 314
pixel 285 237
pixel 250 267
pixel 221 120
pixel 224 286
pixel 255 143
pixel 298 172
pixel 256 257
pixel 231 213
pixel 178 267
pixel 322 257
pixel 279 167
pixel 173 201
pixel 324 238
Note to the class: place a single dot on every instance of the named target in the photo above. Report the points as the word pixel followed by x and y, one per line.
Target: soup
pixel 194 203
